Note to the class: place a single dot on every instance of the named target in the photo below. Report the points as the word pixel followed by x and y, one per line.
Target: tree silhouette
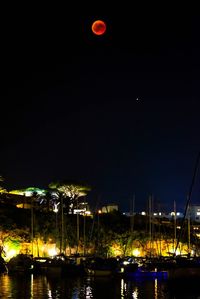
pixel 70 191
pixel 2 189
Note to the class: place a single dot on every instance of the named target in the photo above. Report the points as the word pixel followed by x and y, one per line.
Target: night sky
pixel 120 112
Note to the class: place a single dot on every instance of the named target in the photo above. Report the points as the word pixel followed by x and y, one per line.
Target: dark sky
pixel 69 108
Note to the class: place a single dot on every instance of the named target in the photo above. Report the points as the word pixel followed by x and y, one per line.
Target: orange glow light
pixel 99 27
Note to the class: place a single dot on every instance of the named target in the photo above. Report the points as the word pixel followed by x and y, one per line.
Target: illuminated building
pixel 195 213
pixel 109 208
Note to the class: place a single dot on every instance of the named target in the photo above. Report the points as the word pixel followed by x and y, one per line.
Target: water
pixel 31 286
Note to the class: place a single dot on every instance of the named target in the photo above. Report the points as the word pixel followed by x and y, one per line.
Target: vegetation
pixel 70 191
pixel 109 234
pixel 2 189
pixel 103 234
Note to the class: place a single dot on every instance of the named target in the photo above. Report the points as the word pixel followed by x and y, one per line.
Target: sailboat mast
pixel 189 230
pixel 150 224
pixel 132 214
pixel 188 200
pixel 77 225
pixel 174 225
pixel 84 233
pixel 32 225
pixel 62 226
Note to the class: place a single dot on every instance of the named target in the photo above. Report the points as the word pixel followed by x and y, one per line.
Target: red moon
pixel 99 27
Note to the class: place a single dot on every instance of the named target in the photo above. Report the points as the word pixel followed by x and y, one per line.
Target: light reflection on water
pixel 156 288
pixel 43 287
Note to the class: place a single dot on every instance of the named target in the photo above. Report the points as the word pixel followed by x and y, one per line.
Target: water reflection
pixel 135 293
pixel 88 288
pixel 88 292
pixel 122 288
pixel 156 288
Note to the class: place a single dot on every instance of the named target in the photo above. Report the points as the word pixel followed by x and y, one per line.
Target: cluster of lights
pixel 157 214
pixel 83 212
pixel 175 214
pixel 143 213
pixel 195 228
pixel 12 249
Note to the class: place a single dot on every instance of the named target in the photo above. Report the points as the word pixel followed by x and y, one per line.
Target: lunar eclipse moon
pixel 99 27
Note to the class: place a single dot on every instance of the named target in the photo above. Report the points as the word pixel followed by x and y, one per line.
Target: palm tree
pixel 68 195
pixel 71 191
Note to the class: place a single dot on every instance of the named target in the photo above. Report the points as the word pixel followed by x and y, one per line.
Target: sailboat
pixel 187 268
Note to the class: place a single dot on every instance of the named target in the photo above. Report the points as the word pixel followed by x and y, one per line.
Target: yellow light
pixel 87 213
pixel 10 253
pixel 178 252
pixel 11 250
pixel 16 192
pixel 52 252
pixel 23 206
pixel 136 252
pixel 116 250
pixel 3 191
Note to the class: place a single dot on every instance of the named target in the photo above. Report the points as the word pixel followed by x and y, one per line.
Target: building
pixel 195 213
pixel 82 209
pixel 110 208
